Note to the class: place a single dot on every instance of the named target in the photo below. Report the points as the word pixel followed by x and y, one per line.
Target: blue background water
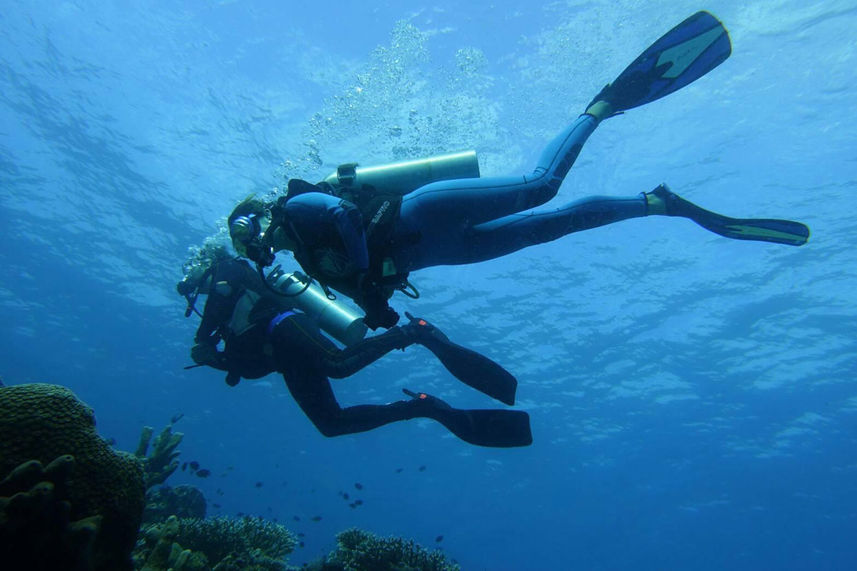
pixel 692 398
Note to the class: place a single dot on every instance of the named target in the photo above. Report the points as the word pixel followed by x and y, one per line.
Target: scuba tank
pixel 334 318
pixel 406 176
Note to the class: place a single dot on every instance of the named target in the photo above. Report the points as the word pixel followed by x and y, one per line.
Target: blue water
pixel 693 398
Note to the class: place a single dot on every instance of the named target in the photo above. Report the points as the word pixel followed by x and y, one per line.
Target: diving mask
pixel 247 233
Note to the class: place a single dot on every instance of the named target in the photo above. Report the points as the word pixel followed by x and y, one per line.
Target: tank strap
pixel 278 319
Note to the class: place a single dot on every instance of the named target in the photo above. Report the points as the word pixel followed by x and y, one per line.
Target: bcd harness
pixel 379 213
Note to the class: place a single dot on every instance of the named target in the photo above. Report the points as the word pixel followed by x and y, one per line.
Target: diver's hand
pixel 380 316
pixel 206 354
pixel 373 299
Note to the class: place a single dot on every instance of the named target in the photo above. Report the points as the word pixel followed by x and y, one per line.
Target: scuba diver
pixel 362 231
pixel 263 331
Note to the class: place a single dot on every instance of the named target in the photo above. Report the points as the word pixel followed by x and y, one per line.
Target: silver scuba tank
pixel 334 318
pixel 406 176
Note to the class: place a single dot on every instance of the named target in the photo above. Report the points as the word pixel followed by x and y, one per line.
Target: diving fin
pixel 482 427
pixel 758 229
pixel 679 57
pixel 469 367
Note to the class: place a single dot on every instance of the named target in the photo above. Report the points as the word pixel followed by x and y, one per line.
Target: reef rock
pixel 95 483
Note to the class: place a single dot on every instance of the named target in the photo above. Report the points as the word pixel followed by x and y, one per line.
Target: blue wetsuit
pixel 472 220
pixel 449 222
pixel 463 221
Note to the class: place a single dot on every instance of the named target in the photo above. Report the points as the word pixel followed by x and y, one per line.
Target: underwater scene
pixel 387 285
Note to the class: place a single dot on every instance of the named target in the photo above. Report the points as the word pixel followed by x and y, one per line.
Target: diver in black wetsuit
pixel 262 334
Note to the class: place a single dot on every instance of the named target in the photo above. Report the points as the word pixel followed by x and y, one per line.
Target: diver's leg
pixel 475 200
pixel 435 219
pixel 314 395
pixel 512 233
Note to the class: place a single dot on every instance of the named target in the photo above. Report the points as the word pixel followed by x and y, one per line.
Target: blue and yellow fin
pixel 679 57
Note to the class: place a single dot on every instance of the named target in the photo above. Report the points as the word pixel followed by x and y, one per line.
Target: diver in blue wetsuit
pixel 365 248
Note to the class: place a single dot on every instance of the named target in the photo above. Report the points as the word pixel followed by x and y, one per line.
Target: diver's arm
pixel 297 343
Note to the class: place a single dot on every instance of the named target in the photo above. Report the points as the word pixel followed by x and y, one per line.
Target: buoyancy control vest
pixel 377 193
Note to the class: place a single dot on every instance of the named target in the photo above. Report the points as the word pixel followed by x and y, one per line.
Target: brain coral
pixel 43 421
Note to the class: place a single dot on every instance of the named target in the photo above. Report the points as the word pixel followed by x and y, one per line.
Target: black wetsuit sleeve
pixel 298 346
pixel 216 314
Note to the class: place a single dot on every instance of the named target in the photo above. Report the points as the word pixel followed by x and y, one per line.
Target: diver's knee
pixel 330 429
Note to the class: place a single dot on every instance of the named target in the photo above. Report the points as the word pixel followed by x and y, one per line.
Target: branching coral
pixel 162 461
pixel 227 543
pixel 359 550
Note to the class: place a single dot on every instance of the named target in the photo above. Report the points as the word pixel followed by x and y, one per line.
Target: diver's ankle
pixel 655 205
pixel 600 110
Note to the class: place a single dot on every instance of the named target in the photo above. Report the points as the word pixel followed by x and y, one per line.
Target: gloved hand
pixel 205 354
pixel 373 300
pixel 381 316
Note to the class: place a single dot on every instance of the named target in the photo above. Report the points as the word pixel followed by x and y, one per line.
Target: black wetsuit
pixel 262 335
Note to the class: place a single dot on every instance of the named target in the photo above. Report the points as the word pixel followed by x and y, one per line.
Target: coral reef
pixel 164 553
pixel 44 422
pixel 36 531
pixel 359 550
pixel 162 461
pixel 227 543
pixel 181 501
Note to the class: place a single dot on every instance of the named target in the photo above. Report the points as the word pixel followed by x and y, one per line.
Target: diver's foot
pixel 667 203
pixel 429 402
pixel 421 331
pixel 662 201
pixel 601 107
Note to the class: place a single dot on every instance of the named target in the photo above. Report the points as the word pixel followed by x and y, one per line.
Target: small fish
pixel 194 465
pixel 296 518
pixel 240 514
pixel 438 539
pixel 345 495
pixel 316 518
pixel 176 418
pixel 258 484
pixel 216 505
pixel 184 466
pixel 301 534
pixel 359 486
pixel 219 492
pixel 203 473
pixel 399 470
pixel 111 441
pixel 422 468
pixel 358 502
pixel 352 505
pixel 301 544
